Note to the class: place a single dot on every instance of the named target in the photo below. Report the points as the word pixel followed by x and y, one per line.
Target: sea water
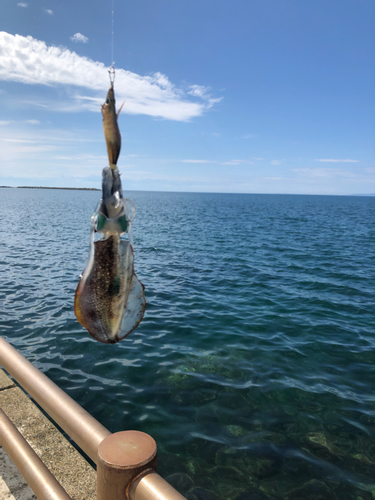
pixel 254 366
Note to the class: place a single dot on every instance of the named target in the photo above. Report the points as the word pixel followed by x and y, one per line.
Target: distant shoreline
pixel 43 187
pixel 193 192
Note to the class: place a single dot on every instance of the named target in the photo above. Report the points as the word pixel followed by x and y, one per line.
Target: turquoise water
pixel 253 368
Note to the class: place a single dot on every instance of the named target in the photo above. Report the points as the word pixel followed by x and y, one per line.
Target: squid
pixel 109 300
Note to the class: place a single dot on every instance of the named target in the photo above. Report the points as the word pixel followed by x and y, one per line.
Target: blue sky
pixel 243 96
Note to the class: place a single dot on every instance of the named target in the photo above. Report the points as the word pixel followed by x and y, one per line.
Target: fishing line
pixel 111 70
pixel 113 31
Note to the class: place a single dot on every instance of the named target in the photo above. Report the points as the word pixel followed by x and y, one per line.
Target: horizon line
pixel 185 192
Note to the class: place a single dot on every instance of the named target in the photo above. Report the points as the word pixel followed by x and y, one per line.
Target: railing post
pixel 122 457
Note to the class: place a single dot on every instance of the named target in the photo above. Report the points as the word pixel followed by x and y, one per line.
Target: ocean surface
pixel 254 366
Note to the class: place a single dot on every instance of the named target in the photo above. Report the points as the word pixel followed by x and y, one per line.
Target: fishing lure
pixel 110 127
pixel 109 300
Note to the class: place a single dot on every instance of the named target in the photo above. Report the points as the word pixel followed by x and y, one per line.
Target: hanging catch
pixel 110 126
pixel 109 300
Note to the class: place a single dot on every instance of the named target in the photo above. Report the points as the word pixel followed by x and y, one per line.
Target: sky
pixel 237 96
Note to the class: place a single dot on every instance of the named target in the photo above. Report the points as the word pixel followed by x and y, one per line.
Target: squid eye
pixel 107 101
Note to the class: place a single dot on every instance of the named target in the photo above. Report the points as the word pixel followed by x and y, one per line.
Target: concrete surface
pixel 60 457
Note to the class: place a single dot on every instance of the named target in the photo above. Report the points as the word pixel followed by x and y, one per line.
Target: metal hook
pixel 112 74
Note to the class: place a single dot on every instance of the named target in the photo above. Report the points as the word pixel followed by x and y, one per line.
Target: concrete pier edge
pixel 72 471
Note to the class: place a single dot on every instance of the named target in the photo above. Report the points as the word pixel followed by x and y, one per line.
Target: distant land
pixel 96 189
pixel 43 187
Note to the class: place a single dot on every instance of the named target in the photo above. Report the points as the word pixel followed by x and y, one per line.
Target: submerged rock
pixel 182 482
pixel 253 495
pixel 312 490
pixel 201 494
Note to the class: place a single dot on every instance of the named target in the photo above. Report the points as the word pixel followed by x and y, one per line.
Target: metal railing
pixel 126 461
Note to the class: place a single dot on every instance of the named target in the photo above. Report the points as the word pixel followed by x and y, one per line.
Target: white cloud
pixel 82 157
pixel 337 161
pixel 24 148
pixel 78 37
pixel 248 136
pixel 195 161
pixel 34 102
pixel 49 11
pixel 22 4
pixel 323 172
pixel 276 162
pixel 33 122
pixel 230 162
pixel 31 61
pixel 237 162
pixel 197 90
pixel 4 122
pixel 30 150
pixel 18 140
pixel 202 92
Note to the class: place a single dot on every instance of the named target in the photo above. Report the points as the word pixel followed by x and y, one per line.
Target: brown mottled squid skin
pixel 101 299
pixel 111 131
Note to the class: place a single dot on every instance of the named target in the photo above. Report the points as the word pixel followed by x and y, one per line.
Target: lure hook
pixel 112 74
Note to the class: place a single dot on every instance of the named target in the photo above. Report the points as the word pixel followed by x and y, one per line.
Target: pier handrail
pixel 87 432
pixel 126 461
pixel 41 481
